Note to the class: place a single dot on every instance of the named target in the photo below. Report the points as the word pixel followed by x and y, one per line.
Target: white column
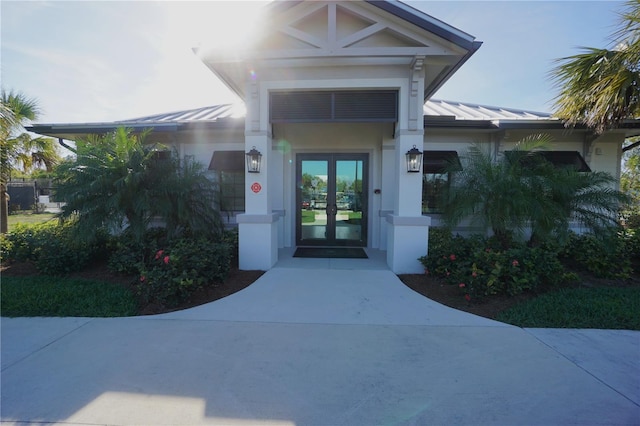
pixel 407 229
pixel 257 227
pixel 388 194
pixel 408 200
pixel 257 191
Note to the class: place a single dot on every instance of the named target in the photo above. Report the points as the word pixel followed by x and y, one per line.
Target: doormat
pixel 331 252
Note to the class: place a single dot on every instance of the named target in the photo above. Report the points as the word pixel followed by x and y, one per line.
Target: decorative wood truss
pixel 318 34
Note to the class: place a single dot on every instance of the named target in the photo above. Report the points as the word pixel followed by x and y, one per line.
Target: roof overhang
pixel 440 29
pixel 445 48
pixel 629 128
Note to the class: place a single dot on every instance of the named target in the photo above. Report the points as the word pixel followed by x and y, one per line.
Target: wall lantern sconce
pixel 414 160
pixel 253 160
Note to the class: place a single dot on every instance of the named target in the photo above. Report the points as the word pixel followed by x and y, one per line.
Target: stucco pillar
pixel 407 229
pixel 257 227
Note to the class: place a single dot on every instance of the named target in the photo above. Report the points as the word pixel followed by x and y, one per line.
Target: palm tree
pixel 117 182
pixel 18 148
pixel 493 195
pixel 589 199
pixel 521 191
pixel 27 153
pixel 601 87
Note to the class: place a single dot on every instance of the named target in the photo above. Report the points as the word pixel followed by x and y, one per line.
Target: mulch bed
pixel 452 296
pixel 434 289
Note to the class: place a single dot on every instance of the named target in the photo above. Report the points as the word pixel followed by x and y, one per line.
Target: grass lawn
pixel 602 308
pixel 36 296
pixel 308 216
pixel 28 218
pixel 355 215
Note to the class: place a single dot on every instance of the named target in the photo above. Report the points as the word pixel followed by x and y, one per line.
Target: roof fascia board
pixel 459 124
pixel 536 125
pixel 54 130
pixel 220 124
pixel 101 127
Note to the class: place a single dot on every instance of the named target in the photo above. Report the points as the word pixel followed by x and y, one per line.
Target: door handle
pixel 331 210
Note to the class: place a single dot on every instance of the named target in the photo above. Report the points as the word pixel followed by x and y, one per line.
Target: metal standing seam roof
pixel 434 108
pixel 204 114
pixel 465 111
pixel 445 113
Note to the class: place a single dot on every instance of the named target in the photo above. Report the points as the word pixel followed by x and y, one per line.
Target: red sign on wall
pixel 256 187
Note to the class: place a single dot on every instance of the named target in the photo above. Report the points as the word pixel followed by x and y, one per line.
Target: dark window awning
pixel 440 161
pixel 559 159
pixel 227 161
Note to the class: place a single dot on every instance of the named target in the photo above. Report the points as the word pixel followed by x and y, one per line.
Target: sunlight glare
pixel 230 26
pixel 238 110
pixel 136 408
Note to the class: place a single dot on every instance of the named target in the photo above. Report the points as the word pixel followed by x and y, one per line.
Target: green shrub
pixel 52 246
pixel 480 267
pixel 174 273
pixel 632 243
pixel 605 257
pixel 444 250
pixel 633 220
pixel 6 247
pixel 129 254
pixel 230 237
pixel 190 262
pixel 511 271
pixel 20 244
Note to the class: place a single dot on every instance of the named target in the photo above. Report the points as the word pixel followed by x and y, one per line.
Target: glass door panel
pixel 348 196
pixel 312 188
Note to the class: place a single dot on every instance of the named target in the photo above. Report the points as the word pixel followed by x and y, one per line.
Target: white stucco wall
pixel 606 154
pixel 376 139
pixel 201 145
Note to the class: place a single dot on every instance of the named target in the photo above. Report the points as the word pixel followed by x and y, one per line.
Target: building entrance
pixel 331 200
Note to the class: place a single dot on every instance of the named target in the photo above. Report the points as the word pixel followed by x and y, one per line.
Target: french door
pixel 331 199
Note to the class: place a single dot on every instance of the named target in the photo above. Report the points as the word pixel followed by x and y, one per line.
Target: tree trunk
pixel 4 210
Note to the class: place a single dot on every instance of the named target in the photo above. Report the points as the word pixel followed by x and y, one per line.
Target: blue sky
pixel 110 60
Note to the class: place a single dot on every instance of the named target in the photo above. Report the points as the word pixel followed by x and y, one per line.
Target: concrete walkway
pixel 309 346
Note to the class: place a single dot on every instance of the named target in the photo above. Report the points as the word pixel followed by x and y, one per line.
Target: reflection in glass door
pixel 331 199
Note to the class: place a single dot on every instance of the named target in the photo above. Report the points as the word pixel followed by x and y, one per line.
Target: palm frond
pixel 601 87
